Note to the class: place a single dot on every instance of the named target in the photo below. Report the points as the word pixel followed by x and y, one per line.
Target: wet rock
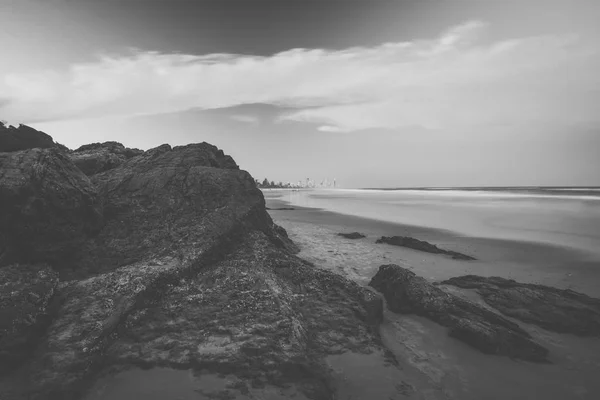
pixel 23 137
pixel 99 157
pixel 407 293
pixel 564 311
pixel 48 207
pixel 25 295
pixel 416 244
pixel 260 313
pixel 353 235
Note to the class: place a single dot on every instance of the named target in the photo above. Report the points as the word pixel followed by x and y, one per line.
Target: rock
pixel 353 235
pixel 282 208
pixel 171 202
pixel 170 259
pixel 482 329
pixel 23 137
pixel 558 310
pixel 260 314
pixel 48 207
pixel 25 295
pixel 99 157
pixel 416 244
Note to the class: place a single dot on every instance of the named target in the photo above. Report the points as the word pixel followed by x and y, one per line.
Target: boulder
pixel 171 202
pixel 407 293
pixel 564 311
pixel 26 292
pixel 48 207
pixel 23 137
pixel 421 245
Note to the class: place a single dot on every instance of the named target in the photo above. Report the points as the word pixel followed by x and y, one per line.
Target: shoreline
pixel 444 367
pixel 523 261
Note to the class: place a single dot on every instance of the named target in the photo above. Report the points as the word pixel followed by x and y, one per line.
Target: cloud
pixel 453 80
pixel 249 119
pixel 329 128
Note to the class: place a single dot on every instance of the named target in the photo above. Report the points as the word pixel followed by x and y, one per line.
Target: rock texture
pixel 99 157
pixel 48 207
pixel 25 295
pixel 353 235
pixel 416 244
pixel 23 137
pixel 563 311
pixel 259 313
pixel 483 329
pixel 167 258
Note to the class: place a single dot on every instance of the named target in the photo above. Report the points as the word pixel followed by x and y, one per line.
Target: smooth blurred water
pixel 559 216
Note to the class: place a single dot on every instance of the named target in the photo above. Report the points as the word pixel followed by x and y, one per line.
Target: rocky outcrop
pixel 171 202
pixel 564 311
pixel 352 235
pixel 259 313
pixel 26 292
pixel 407 293
pixel 99 157
pixel 48 207
pixel 23 137
pixel 170 259
pixel 416 244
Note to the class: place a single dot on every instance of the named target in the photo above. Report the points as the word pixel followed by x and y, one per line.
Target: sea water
pixel 558 216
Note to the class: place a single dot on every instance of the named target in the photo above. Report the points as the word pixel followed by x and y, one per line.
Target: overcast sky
pixel 372 93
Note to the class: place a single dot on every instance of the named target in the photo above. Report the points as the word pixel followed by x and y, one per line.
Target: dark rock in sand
pixel 282 208
pixel 353 235
pixel 25 295
pixel 23 137
pixel 186 270
pixel 48 207
pixel 558 310
pixel 99 157
pixel 416 244
pixel 407 293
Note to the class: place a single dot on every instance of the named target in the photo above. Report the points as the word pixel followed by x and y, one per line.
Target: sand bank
pixel 451 369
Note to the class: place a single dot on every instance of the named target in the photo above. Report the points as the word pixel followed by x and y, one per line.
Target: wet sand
pixel 449 368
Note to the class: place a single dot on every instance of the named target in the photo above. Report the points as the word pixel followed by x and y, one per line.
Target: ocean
pixel 558 216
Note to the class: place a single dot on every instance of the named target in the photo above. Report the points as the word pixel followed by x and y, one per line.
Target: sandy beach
pixel 447 368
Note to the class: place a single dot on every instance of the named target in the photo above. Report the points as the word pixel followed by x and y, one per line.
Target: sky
pixel 376 93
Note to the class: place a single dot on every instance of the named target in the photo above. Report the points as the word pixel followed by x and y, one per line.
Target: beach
pixel 446 367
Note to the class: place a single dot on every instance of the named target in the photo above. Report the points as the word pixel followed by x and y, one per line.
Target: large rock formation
pixel 421 245
pixel 558 310
pixel 23 137
pixel 169 259
pixel 483 329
